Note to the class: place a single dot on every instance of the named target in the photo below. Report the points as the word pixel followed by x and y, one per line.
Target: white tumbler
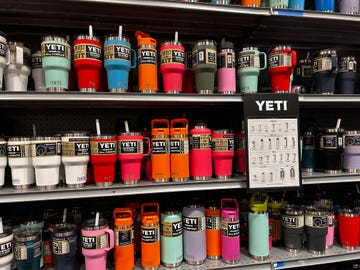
pixel 6 250
pixel 46 159
pixel 18 71
pixel 3 161
pixel 75 157
pixel 4 57
pixel 37 72
pixel 20 162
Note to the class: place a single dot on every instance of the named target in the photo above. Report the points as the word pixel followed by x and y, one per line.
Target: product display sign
pixel 272 139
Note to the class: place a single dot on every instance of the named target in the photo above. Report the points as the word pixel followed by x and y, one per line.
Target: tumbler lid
pixel 305 61
pixel 316 211
pixel 334 130
pixel 45 138
pixel 54 38
pixel 36 54
pixel 19 139
pixel 282 47
pixel 89 225
pixel 349 212
pixel 64 230
pixel 7 232
pixel 224 44
pixel 24 235
pixel 171 208
pixel 207 42
pixel 347 58
pixel 200 124
pixel 352 132
pixel 194 203
pixel 292 210
pixel 326 52
pixel 103 137
pixel 82 36
pixel 250 48
pixel 131 133
pixel 75 134
pixel 171 42
pixel 117 37
pixel 308 133
pixel 223 131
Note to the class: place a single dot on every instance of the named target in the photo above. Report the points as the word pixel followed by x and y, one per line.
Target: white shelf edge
pixel 10 195
pixel 322 178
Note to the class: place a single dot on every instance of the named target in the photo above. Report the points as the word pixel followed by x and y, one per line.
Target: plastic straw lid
pixel 90 31
pixel 127 127
pixel 97 124
pixel 64 215
pixel 176 37
pixel 120 30
pixel 97 216
pixel 338 123
pixel 34 130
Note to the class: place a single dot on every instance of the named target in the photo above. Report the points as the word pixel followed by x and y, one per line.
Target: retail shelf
pixel 326 101
pixel 323 178
pixel 111 100
pixel 193 20
pixel 10 195
pixel 279 259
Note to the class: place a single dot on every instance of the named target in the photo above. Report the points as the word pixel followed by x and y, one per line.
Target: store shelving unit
pixel 193 21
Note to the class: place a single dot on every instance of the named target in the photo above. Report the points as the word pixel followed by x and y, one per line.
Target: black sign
pixel 272 139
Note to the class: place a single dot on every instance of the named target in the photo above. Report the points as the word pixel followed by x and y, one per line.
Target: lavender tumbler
pixel 194 233
pixel 349 6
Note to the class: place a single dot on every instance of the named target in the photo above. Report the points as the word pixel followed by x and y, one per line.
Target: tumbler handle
pixel 293 59
pixel 133 58
pixel 111 236
pixel 149 148
pixel 265 60
pixel 8 55
pixel 156 122
pixel 275 228
pixel 333 62
pixel 123 211
pixel 229 200
pixel 72 242
pixel 149 205
pixel 183 121
pixel 30 252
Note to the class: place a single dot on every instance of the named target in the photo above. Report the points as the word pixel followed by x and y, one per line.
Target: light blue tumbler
pixel 56 57
pixel 297 4
pixel 119 58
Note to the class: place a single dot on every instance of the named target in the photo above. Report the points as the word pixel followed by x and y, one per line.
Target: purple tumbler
pixel 349 6
pixel 194 233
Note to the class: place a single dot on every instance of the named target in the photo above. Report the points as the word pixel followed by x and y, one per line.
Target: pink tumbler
pixel 130 155
pixel 226 68
pixel 172 67
pixel 222 152
pixel 200 152
pixel 331 230
pixel 230 236
pixel 97 240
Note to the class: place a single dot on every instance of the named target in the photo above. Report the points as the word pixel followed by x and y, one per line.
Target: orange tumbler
pixel 251 3
pixel 147 63
pixel 179 150
pixel 213 232
pixel 150 236
pixel 160 150
pixel 124 251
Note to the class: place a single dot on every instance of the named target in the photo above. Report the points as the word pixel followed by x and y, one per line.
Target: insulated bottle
pixel 3 160
pixel 226 68
pixel 292 218
pixel 124 250
pixel 259 226
pixel 308 162
pixel 325 5
pixel 37 72
pixel 4 57
pixel 230 231
pixel 279 3
pixel 351 157
pixel 222 152
pixel 147 63
pixel 316 228
pixel 213 231
pixel 349 228
pixel 304 74
pixel 171 237
pixel 6 249
pixel 194 226
pixel 297 4
pixel 27 249
pixel 150 236
pixel 349 6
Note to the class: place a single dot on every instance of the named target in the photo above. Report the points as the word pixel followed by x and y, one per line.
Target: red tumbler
pixel 88 62
pixel 349 228
pixel 103 159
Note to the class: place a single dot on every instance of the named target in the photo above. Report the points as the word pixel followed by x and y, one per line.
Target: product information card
pixel 272 138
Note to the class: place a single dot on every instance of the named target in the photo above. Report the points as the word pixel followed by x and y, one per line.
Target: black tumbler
pixel 345 80
pixel 304 75
pixel 292 218
pixel 316 229
pixel 325 71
